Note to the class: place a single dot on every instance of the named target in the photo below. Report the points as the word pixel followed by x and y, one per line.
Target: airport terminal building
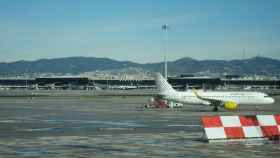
pixel 84 83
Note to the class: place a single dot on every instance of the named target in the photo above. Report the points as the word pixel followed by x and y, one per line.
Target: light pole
pixel 165 29
pixel 26 77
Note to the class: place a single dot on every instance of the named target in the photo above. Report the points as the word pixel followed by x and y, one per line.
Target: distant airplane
pixel 228 100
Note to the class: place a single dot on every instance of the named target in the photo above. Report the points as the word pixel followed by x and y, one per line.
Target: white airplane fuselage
pixel 215 98
pixel 248 98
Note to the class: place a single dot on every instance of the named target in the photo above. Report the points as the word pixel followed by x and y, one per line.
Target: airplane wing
pixel 229 105
pixel 211 101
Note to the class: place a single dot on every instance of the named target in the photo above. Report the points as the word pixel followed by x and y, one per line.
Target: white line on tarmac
pixel 183 125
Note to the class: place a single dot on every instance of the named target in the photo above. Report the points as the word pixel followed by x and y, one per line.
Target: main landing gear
pixel 215 109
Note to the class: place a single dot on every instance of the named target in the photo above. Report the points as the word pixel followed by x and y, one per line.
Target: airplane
pixel 229 100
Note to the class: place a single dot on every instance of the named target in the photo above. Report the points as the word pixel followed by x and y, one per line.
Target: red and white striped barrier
pixel 241 127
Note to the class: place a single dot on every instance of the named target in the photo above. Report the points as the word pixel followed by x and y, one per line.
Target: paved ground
pixel 115 127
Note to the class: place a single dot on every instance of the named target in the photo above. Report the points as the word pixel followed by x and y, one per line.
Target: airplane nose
pixel 271 100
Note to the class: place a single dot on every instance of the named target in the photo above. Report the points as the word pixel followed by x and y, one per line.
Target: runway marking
pixel 9 121
pixel 38 129
pixel 124 123
pixel 184 125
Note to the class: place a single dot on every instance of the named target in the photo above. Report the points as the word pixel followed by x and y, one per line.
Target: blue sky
pixel 131 30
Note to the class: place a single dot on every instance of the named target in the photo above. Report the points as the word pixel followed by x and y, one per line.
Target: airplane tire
pixel 215 109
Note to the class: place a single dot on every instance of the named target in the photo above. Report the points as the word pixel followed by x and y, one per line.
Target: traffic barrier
pixel 241 127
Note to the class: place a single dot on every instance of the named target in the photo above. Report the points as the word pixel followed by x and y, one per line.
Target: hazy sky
pixel 131 30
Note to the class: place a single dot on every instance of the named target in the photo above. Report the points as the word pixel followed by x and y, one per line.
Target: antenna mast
pixel 243 55
pixel 165 29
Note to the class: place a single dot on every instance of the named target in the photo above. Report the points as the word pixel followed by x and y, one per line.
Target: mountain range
pixel 76 65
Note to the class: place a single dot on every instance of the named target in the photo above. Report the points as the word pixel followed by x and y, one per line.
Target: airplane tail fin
pixel 162 85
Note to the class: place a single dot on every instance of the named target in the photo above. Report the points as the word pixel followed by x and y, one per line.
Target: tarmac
pixel 116 126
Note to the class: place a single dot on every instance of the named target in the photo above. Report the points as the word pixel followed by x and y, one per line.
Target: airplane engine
pixel 230 105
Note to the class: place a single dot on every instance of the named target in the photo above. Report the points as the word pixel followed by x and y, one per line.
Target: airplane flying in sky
pixel 229 100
